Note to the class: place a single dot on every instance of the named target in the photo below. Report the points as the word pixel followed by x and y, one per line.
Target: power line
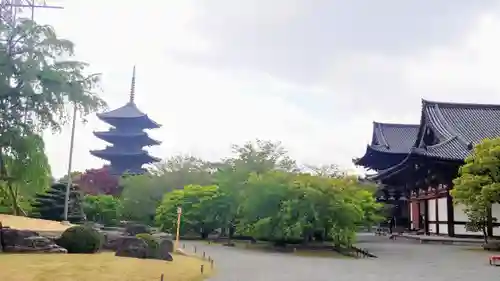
pixel 11 10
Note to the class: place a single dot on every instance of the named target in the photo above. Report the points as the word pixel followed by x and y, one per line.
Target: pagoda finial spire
pixel 132 87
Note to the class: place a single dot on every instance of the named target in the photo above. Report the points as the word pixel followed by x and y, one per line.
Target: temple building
pixel 389 146
pixel 127 137
pixel 446 135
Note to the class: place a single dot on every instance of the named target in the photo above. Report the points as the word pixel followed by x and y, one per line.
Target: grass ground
pixel 32 224
pixel 96 267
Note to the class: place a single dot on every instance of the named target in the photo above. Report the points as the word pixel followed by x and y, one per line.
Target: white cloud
pixel 204 110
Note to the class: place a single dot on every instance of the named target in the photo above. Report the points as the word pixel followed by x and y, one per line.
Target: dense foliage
pixel 39 79
pixel 81 239
pixel 478 184
pixel 99 181
pixel 201 208
pixel 49 205
pixel 260 192
pixel 104 209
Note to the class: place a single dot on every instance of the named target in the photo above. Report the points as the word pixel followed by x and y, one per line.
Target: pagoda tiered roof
pixel 127 137
pixel 112 153
pixel 449 132
pixel 112 136
pixel 128 112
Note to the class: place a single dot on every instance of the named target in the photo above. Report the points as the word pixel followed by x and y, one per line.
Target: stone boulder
pixel 112 240
pixel 165 249
pixel 132 247
pixel 27 241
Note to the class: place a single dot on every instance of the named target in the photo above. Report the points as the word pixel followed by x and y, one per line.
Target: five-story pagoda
pixel 127 136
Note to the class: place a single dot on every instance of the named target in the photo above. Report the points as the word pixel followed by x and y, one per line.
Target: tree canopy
pixel 478 185
pixel 39 80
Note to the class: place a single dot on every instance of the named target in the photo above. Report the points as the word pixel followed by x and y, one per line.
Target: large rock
pixel 132 247
pixel 112 240
pixel 27 241
pixel 165 249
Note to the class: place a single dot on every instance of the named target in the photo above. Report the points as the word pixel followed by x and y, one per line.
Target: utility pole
pixel 70 162
pixel 13 10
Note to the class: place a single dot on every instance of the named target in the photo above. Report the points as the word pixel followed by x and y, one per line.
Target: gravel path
pixel 397 261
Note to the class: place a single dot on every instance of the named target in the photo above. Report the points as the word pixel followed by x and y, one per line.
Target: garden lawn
pixel 18 222
pixel 98 267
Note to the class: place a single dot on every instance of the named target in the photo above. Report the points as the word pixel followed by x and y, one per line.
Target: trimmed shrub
pixel 134 228
pixel 81 239
pixel 153 245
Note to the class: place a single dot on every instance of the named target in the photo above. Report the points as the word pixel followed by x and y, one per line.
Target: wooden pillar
pixel 451 216
pixel 426 216
pixel 436 210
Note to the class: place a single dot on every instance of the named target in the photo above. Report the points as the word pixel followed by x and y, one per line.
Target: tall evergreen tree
pixel 50 205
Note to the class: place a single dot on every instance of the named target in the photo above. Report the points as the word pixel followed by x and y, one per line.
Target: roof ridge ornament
pixel 132 87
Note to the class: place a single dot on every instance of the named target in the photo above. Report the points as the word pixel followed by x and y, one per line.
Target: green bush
pixel 153 245
pixel 104 209
pixel 81 239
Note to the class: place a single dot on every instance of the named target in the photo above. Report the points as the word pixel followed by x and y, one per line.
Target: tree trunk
pixel 16 209
pixel 485 235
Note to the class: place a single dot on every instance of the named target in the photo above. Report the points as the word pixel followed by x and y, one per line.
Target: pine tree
pixel 50 205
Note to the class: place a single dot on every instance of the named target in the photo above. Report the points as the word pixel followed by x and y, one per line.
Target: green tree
pixel 478 185
pixel 201 210
pixel 37 82
pixel 142 194
pixel 29 173
pixel 259 156
pixel 288 207
pixel 104 209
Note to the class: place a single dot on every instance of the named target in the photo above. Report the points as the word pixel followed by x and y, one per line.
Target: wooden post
pixel 179 213
pixel 212 263
pixel 1 238
pixel 201 269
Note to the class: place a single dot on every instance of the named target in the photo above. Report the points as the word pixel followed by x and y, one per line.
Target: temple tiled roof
pixel 455 129
pixel 393 138
pixel 390 144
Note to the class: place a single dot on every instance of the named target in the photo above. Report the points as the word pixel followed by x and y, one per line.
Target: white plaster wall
pixel 460 230
pixel 432 228
pixel 496 231
pixel 431 204
pixel 458 212
pixel 443 228
pixel 442 210
pixel 495 212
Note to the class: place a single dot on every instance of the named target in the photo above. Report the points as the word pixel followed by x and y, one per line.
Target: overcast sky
pixel 313 74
